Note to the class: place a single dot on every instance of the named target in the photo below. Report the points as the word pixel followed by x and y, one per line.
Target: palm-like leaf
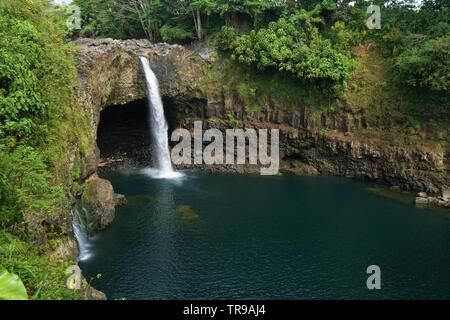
pixel 11 287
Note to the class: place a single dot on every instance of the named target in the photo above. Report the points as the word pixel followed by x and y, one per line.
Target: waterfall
pixel 80 233
pixel 158 126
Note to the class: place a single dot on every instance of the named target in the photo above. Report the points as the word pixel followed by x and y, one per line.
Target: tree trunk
pixel 199 26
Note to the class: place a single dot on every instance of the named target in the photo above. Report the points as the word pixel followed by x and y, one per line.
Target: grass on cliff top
pixel 258 89
pixel 44 278
pixel 372 92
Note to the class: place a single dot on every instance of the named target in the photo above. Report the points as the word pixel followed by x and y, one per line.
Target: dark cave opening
pixel 123 134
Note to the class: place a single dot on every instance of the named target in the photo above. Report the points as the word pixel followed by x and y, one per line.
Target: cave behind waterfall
pixel 123 134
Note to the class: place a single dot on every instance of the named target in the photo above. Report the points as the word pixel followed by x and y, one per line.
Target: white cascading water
pixel 80 233
pixel 158 127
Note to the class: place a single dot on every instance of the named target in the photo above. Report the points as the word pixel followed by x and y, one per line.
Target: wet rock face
pixel 110 73
pixel 411 167
pixel 90 164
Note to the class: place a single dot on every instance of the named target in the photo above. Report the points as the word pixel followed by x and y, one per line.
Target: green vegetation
pixel 39 125
pixel 315 51
pixel 258 88
pixel 174 34
pixel 11 287
pixel 26 186
pixel 43 276
pixel 294 44
pixel 428 65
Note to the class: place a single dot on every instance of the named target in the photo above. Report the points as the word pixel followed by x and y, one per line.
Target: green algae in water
pixel 392 194
pixel 142 200
pixel 187 213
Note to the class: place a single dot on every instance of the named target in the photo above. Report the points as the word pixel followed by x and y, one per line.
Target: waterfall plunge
pixel 158 126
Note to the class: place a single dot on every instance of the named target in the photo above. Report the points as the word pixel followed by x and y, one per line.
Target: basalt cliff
pixel 338 142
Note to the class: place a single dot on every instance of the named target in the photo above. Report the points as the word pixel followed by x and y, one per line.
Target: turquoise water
pixel 254 237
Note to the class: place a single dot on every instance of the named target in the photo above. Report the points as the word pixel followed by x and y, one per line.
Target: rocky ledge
pixel 424 200
pixel 110 72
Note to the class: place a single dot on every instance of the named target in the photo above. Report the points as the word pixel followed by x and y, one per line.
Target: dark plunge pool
pixel 225 236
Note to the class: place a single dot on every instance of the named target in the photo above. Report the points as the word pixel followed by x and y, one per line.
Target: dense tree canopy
pixel 311 39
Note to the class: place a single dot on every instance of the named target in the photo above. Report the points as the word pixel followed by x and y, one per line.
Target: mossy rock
pixel 99 200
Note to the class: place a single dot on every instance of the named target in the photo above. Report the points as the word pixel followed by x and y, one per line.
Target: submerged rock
pixel 187 213
pixel 120 199
pixel 421 201
pixel 392 193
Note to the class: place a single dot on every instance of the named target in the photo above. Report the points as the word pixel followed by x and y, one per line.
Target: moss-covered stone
pixel 99 201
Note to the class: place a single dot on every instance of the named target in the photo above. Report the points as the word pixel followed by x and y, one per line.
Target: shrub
pixel 293 45
pixel 44 279
pixel 26 186
pixel 39 120
pixel 226 38
pixel 427 65
pixel 174 34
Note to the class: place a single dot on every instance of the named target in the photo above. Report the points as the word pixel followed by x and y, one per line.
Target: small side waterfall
pixel 158 126
pixel 80 233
